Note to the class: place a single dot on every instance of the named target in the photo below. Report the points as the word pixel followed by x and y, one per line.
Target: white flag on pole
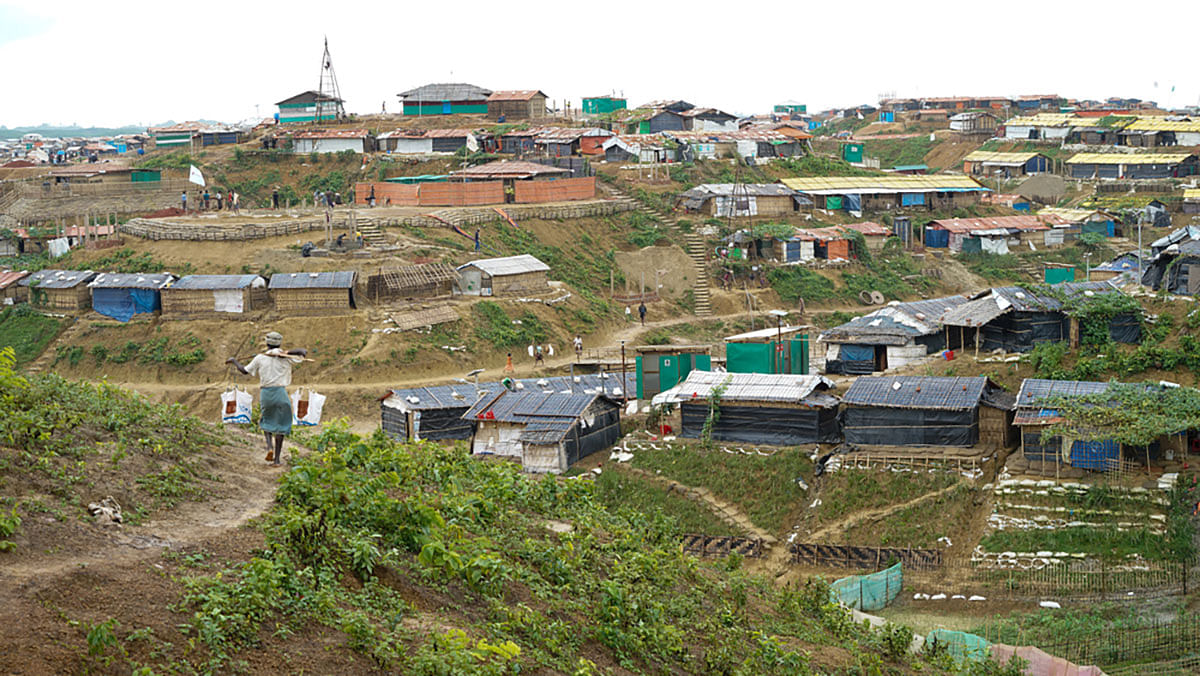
pixel 196 177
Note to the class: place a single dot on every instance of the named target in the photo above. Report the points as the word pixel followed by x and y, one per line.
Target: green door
pixel 799 350
pixel 703 362
pixel 668 371
pixel 1060 275
pixel 748 357
pixel 641 389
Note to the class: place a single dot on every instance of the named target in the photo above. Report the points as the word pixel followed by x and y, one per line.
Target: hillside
pixel 374 557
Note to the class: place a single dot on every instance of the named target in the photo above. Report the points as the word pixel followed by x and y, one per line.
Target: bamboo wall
pixel 74 299
pixel 199 302
pixel 311 300
pixel 529 282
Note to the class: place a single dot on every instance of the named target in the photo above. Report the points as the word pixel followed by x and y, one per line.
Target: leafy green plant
pixel 9 523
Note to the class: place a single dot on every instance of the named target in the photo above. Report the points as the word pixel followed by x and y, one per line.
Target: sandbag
pixel 306 407
pixel 236 406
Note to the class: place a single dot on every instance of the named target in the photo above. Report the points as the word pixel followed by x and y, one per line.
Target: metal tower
pixel 330 102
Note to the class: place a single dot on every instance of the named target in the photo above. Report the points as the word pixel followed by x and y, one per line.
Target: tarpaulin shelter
pixel 1015 319
pixel 925 411
pixel 121 296
pixel 757 408
pixel 60 290
pixel 888 337
pixel 1177 268
pixel 548 432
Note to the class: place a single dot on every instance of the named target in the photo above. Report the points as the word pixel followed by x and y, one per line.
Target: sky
pixel 116 63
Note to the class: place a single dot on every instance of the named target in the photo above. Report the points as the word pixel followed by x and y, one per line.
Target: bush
pixel 793 283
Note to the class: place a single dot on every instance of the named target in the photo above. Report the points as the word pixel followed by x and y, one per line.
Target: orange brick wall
pixel 400 194
pixel 560 190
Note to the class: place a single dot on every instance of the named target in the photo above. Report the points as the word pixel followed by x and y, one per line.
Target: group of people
pixel 208 199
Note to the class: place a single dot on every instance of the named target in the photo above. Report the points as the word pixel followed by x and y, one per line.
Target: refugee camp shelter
pixel 225 296
pixel 831 243
pixel 309 106
pixel 756 408
pixel 779 349
pixel 124 295
pixel 1092 451
pixel 332 141
pixel 59 290
pixel 883 193
pixel 446 98
pixel 428 280
pixel 1132 165
pixel 1005 165
pixel 423 141
pixel 1014 319
pixel 648 149
pixel 510 170
pixel 1191 201
pixel 927 411
pixel 510 275
pixel 709 119
pixel 875 234
pixel 519 104
pixel 1096 221
pixel 974 122
pixel 661 367
pixel 954 233
pixel 1177 268
pixel 1124 264
pixel 741 200
pixel 546 432
pixel 306 292
pixel 1179 236
pixel 603 105
pixel 889 337
pixel 11 290
pixel 431 413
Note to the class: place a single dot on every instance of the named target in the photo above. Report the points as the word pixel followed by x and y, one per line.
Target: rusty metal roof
pixel 868 228
pixel 515 95
pixel 10 277
pixel 1030 222
pixel 509 169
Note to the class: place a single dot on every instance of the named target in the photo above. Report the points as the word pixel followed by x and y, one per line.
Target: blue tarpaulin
pixel 909 199
pixel 1095 455
pixel 854 202
pixel 123 304
pixel 939 239
pixel 857 352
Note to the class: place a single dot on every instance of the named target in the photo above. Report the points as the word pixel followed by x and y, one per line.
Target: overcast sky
pixel 114 63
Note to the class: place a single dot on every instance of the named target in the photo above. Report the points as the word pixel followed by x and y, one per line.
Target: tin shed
pixel 60 290
pixel 121 296
pixel 926 411
pixel 313 291
pixel 503 276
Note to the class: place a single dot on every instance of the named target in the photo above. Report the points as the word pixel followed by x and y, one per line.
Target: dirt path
pixel 727 512
pixel 874 514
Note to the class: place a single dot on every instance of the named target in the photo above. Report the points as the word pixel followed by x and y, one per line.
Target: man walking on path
pixel 183 198
pixel 274 199
pixel 642 312
pixel 274 371
pixel 233 200
pixel 578 342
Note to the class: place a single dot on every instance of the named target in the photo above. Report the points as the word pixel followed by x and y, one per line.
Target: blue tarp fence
pixel 123 304
pixel 868 592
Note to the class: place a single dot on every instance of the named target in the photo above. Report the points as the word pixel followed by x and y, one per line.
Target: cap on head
pixel 274 339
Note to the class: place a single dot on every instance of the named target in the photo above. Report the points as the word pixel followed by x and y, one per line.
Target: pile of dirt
pixel 166 213
pixel 1045 188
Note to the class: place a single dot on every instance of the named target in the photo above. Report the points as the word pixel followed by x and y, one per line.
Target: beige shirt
pixel 272 371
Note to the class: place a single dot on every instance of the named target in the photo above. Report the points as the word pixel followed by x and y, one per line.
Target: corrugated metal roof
pixel 342 279
pixel 988 157
pixel 794 389
pixel 425 133
pixel 442 396
pixel 757 135
pixel 509 265
pixel 1058 120
pixel 883 183
pixel 1024 222
pixel 58 279
pixel 1191 194
pixel 10 277
pixel 1160 124
pixel 916 392
pixel 764 334
pixel 527 407
pixel 433 397
pixel 1128 158
pixel 990 304
pixel 726 190
pixel 1071 215
pixel 1034 389
pixel 135 280
pixel 868 228
pixel 510 169
pixel 332 133
pixel 446 91
pixel 210 282
pixel 514 95
pixel 309 96
pixel 895 324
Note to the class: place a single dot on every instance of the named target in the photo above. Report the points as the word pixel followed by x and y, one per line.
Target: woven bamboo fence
pixel 866 558
pixel 722 545
pixel 1100 582
pixel 1168 641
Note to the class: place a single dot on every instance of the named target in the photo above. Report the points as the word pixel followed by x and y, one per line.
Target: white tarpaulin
pixel 58 247
pixel 228 300
pixel 993 245
pixel 743 205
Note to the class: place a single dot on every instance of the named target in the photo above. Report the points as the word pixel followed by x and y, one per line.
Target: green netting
pixel 868 592
pixel 959 644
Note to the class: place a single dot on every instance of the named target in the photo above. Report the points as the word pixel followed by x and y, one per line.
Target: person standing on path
pixel 642 312
pixel 274 371
pixel 539 358
pixel 578 342
pixel 234 200
pixel 219 200
pixel 206 198
pixel 274 199
pixel 183 198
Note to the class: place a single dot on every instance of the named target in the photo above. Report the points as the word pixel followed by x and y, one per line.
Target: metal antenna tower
pixel 330 101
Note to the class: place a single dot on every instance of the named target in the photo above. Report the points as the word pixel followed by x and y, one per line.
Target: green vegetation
pixel 1065 625
pixel 919 525
pixel 1105 543
pixel 178 160
pixel 363 520
pixel 994 267
pixel 496 328
pixel 27 332
pixel 900 151
pixel 617 490
pixel 835 318
pixel 586 268
pixel 128 261
pixel 763 487
pixel 1050 360
pixel 1134 414
pixel 62 436
pixel 186 352
pixel 846 492
pixel 821 165
pixel 794 282
pixel 893 273
pixel 644 230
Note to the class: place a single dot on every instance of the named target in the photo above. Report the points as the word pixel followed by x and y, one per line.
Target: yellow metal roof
pixel 884 182
pixel 1054 120
pixel 1067 213
pixel 1191 194
pixel 1159 124
pixel 1128 158
pixel 1008 158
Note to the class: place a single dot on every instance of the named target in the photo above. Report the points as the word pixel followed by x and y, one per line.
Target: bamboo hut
pixel 11 290
pixel 221 296
pixel 304 292
pixel 59 290
pixel 412 281
pixel 122 296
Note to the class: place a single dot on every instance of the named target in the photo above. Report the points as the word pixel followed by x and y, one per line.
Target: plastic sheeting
pixel 1040 662
pixel 854 202
pixel 58 247
pixel 228 300
pixel 959 644
pixel 1125 329
pixel 583 441
pixel 883 426
pixel 1021 331
pixel 774 426
pixel 910 199
pixel 868 592
pixel 853 360
pixel 993 245
pixel 938 239
pixel 123 304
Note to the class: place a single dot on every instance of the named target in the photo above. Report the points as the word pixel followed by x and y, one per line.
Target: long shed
pixel 313 291
pixel 124 295
pixel 215 296
pixel 546 432
pixel 503 276
pixel 520 104
pixel 60 290
pixel 927 411
pixel 756 408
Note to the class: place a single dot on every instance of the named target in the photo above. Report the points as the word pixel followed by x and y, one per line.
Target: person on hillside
pixel 234 201
pixel 274 199
pixel 183 199
pixel 539 357
pixel 642 312
pixel 371 197
pixel 578 343
pixel 274 371
pixel 220 201
pixel 206 198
